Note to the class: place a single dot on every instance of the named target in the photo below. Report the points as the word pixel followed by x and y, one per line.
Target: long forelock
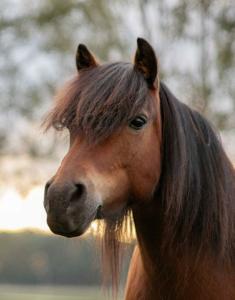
pixel 100 100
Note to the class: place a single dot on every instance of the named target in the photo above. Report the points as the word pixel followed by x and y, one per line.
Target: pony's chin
pixel 70 228
pixel 69 234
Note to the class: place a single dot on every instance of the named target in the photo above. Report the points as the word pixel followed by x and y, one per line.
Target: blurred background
pixel 195 44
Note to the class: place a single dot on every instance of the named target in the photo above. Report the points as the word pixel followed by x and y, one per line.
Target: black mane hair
pixel 197 185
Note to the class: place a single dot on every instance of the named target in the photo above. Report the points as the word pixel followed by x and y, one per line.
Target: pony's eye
pixel 138 122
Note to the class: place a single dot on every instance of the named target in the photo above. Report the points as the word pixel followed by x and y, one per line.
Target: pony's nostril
pixel 47 187
pixel 78 193
pixel 46 203
pixel 80 188
pixel 48 184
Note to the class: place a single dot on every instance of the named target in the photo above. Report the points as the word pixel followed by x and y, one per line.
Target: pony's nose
pixel 59 197
pixel 79 193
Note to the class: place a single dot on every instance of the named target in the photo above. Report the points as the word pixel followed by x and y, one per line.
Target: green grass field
pixel 12 292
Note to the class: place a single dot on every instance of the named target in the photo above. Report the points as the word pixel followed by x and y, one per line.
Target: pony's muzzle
pixel 65 204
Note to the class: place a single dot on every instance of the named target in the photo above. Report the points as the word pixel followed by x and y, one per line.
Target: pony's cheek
pixel 144 164
pixel 145 180
pixel 113 192
pixel 143 192
pixel 116 196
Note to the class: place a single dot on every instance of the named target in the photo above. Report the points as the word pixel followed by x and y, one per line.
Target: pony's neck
pixel 148 225
pixel 188 276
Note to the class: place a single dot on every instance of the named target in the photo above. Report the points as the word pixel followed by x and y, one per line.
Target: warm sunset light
pixel 18 213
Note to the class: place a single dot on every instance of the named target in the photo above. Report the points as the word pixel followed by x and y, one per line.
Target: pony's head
pixel 112 113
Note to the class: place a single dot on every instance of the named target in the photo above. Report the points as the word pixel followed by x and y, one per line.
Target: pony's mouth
pixel 68 234
pixel 69 228
pixel 99 213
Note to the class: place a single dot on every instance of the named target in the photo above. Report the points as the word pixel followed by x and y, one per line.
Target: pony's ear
pixel 146 62
pixel 84 59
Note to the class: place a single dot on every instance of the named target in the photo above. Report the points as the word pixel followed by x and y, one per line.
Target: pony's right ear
pixel 84 59
pixel 146 62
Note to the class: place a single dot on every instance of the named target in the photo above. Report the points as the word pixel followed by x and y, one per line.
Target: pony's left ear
pixel 146 62
pixel 84 59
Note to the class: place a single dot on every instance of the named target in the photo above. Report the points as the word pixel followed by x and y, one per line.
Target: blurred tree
pixel 37 42
pixel 33 258
pixel 213 85
pixel 195 41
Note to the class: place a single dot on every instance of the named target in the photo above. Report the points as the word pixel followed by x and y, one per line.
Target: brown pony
pixel 134 148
